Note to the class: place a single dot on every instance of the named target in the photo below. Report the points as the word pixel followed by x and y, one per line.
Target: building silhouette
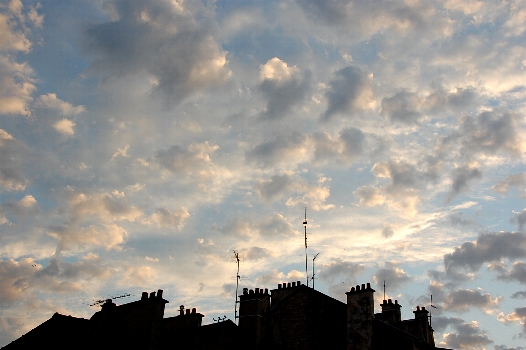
pixel 292 316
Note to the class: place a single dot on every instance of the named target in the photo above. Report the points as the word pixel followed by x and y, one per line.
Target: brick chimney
pixel 391 311
pixel 423 315
pixel 254 306
pixel 360 315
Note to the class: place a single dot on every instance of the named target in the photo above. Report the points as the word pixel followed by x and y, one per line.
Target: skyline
pixel 143 142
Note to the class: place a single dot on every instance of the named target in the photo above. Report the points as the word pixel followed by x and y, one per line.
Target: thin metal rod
pixel 306 264
pixel 236 255
pixel 313 274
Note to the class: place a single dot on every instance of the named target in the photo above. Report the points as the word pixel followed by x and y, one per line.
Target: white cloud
pixel 65 126
pixel 52 102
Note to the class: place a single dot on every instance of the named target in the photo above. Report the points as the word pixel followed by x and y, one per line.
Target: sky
pixel 145 142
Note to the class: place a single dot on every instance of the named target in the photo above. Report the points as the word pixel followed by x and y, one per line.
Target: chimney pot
pixel 152 295
pixel 298 283
pixel 423 308
pixel 396 302
pixel 288 285
pixel 181 310
pixel 357 287
pixel 251 291
pixel 257 290
pixel 363 286
pixel 368 285
pixel 390 301
pixel 245 291
pixel 188 311
pixel 279 285
pixel 194 310
pixel 352 289
pixel 160 293
pixel 418 308
pixel 294 284
pixel 144 296
pixel 266 290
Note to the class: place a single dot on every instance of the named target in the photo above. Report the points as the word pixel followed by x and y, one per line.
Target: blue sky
pixel 142 142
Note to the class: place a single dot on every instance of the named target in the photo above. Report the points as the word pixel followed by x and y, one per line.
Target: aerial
pixel 148 144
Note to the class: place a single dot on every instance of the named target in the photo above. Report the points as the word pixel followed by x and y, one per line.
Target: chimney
pixel 144 296
pixel 160 293
pixel 422 314
pixel 360 315
pixel 152 295
pixel 393 310
pixel 254 307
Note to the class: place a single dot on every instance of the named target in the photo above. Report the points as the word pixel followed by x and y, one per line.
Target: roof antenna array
pixel 236 256
pixel 305 225
pixel 102 301
pixel 433 306
pixel 313 274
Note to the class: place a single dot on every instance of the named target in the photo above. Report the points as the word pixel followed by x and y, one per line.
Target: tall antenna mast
pixel 236 256
pixel 313 274
pixel 305 225
pixel 384 289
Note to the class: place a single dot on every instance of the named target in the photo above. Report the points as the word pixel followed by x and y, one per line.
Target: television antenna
pixel 102 301
pixel 236 256
pixel 313 274
pixel 219 319
pixel 306 267
pixel 384 289
pixel 434 307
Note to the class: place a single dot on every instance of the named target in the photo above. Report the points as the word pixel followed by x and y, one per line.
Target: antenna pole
pixel 236 255
pixel 384 289
pixel 313 274
pixel 305 225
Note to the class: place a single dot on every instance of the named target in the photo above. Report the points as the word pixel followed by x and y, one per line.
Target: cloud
pixel 281 149
pixel 24 208
pixel 515 180
pixel 518 315
pixel 195 160
pixel 52 102
pixel 487 248
pixel 275 277
pixel 165 218
pixel 350 144
pixel 519 218
pixel 517 273
pixel 369 196
pixel 108 236
pixel 11 176
pixel 490 132
pixel 394 277
pixel 163 39
pixel 65 127
pixel 350 91
pixel 297 191
pixel 108 207
pixel 272 225
pixel 466 336
pixel 283 87
pixel 387 231
pixel 17 87
pixel 409 108
pixel 461 177
pixel 462 299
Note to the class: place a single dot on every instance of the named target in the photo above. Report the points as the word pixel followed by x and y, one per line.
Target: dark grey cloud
pixel 405 177
pixel 520 219
pixel 488 247
pixel 256 253
pixel 158 38
pixel 349 91
pixel 339 270
pixel 515 180
pixel 490 132
pixel 393 276
pixel 466 336
pixel 462 176
pixel 275 188
pixel 517 273
pixel 283 96
pixel 272 225
pixel 521 295
pixel 387 231
pixel 463 299
pixel 350 144
pixel 280 149
pixel 408 107
pixel 402 107
pixel 194 160
pixel 458 219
